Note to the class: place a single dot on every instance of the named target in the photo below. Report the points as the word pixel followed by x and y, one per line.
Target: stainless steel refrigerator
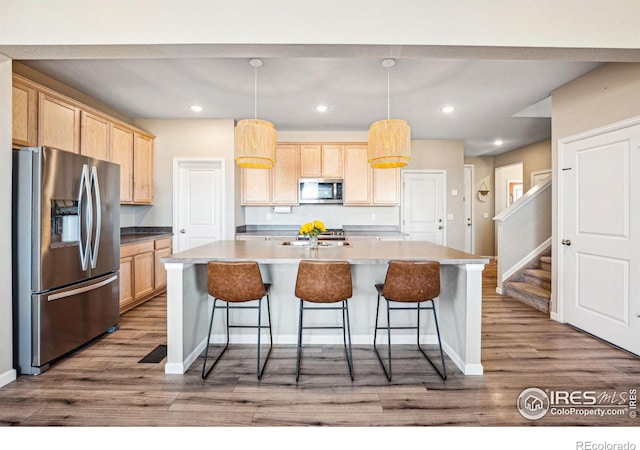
pixel 66 253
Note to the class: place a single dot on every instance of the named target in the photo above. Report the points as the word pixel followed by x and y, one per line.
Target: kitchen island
pixel 459 305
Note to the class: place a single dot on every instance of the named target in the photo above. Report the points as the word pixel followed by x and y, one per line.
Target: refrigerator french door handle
pixel 88 218
pixel 96 190
pixel 82 289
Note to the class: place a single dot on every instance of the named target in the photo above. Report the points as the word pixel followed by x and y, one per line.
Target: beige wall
pixel 483 227
pixel 606 95
pixel 533 157
pixel 186 138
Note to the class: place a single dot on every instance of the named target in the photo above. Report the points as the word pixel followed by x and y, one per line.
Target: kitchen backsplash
pixel 333 216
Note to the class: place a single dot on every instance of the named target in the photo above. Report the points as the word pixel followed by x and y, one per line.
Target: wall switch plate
pixel 449 216
pixel 268 217
pixel 373 217
pixel 485 215
pixel 454 192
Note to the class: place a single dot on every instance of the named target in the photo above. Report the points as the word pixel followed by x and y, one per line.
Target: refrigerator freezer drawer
pixel 68 318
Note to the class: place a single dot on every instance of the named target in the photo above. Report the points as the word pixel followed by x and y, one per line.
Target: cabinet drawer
pixel 163 243
pixel 135 249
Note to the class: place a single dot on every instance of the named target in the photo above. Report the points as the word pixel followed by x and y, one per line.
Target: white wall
pixel 7 373
pixel 185 138
pixel 540 23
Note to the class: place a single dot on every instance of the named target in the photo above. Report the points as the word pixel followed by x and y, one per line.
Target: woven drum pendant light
pixel 389 140
pixel 255 140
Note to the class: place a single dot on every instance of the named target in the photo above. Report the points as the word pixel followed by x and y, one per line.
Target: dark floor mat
pixel 156 355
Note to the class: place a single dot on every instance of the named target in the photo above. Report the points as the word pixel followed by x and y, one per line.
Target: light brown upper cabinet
pixel 122 153
pixel 364 185
pixel 321 161
pixel 356 189
pixel 386 186
pixel 25 115
pixel 256 186
pixel 142 169
pixel 284 176
pixel 58 123
pixel 94 136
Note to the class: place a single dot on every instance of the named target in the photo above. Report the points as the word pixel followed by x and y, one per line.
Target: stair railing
pixel 523 230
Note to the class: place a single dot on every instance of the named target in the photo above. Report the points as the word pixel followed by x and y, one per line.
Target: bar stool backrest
pixel 412 281
pixel 324 281
pixel 235 281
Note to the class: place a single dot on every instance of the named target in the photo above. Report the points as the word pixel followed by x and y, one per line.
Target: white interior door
pixel 600 260
pixel 468 208
pixel 198 214
pixel 424 206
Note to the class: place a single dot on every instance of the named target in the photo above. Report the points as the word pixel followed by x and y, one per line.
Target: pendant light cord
pixel 388 96
pixel 255 95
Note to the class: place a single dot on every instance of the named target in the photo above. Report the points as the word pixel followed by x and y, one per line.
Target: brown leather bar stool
pixel 236 283
pixel 325 282
pixel 409 282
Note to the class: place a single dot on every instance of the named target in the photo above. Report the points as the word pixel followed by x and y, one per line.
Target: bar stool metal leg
pixel 205 371
pixel 348 349
pixel 259 369
pixel 299 342
pixel 375 335
pixel 443 373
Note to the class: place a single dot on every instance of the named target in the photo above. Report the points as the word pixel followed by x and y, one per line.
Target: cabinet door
pixel 122 153
pixel 142 169
pixel 285 176
pixel 256 186
pixel 386 186
pixel 143 266
pixel 94 136
pixel 25 114
pixel 58 124
pixel 160 279
pixel 357 176
pixel 310 161
pixel 126 281
pixel 332 166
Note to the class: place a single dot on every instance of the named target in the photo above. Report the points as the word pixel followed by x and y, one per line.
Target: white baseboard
pixel 8 376
pixel 499 290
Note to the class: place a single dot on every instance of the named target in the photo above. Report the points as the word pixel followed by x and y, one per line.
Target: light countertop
pixel 357 252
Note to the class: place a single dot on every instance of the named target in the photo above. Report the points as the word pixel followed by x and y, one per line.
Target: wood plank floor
pixel 104 385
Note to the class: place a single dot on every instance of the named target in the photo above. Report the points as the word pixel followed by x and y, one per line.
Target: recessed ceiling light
pixel 196 108
pixel 498 142
pixel 447 109
pixel 322 108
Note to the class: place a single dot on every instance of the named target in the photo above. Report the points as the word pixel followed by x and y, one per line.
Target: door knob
pixel 183 231
pixel 440 227
pixel 566 242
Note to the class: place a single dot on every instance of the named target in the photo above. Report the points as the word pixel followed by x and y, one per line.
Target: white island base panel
pixel 459 310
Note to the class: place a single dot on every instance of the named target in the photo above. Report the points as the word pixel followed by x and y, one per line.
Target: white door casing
pixel 599 243
pixel 198 202
pixel 468 208
pixel 424 205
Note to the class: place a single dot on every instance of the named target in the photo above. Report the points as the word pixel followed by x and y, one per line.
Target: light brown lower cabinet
pixel 142 275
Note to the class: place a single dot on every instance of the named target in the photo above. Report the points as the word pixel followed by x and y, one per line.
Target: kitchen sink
pixel 320 243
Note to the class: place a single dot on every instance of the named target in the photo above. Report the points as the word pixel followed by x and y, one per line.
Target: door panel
pixel 423 207
pixel 600 252
pixel 199 206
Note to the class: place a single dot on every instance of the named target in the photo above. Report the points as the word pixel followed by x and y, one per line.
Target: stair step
pixel 545 263
pixel 534 296
pixel 538 277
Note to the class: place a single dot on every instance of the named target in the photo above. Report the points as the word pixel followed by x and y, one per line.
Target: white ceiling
pixel 486 93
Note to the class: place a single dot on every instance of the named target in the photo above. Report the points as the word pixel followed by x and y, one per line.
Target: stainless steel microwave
pixel 320 190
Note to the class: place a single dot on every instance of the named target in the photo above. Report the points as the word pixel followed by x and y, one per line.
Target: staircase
pixel 532 283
